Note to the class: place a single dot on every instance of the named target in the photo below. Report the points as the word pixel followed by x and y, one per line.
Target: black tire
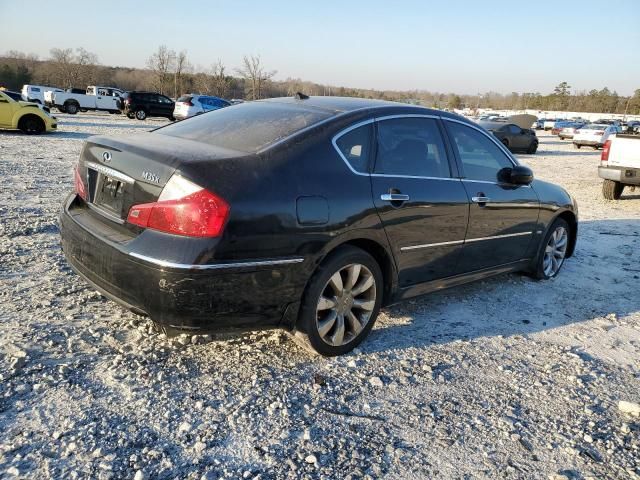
pixel 84 110
pixel 577 145
pixel 533 148
pixel 141 114
pixel 130 115
pixel 612 190
pixel 31 125
pixel 61 109
pixel 561 138
pixel 538 271
pixel 71 108
pixel 307 325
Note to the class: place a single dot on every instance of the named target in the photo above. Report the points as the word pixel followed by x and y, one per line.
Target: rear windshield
pixel 246 127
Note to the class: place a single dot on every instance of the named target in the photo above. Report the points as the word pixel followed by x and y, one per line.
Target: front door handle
pixel 480 199
pixel 394 197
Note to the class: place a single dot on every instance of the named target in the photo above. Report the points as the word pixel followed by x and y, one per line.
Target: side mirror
pixel 521 175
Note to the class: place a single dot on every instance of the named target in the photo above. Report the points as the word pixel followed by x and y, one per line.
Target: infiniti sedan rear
pixel 308 214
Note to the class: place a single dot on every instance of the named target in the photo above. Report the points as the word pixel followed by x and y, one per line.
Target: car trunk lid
pixel 125 171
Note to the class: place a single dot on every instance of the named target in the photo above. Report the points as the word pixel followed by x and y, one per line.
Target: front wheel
pixel 533 148
pixel 553 250
pixel 141 114
pixel 612 190
pixel 31 125
pixel 341 302
pixel 577 145
pixel 72 108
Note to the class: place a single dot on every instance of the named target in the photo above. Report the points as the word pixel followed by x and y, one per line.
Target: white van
pixel 35 93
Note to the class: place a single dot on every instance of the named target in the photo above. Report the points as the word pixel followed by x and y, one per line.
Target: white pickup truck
pixel 96 98
pixel 620 165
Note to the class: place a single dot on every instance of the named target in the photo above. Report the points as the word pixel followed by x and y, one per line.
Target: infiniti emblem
pixel 106 156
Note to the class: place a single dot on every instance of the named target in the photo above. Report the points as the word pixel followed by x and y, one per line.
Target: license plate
pixel 109 193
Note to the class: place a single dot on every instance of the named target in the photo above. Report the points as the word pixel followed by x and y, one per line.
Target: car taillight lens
pixel 183 208
pixel 604 158
pixel 78 184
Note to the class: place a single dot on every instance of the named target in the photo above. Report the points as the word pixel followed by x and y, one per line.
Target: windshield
pixel 246 127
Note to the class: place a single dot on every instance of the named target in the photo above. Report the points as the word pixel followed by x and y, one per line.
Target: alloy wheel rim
pixel 555 251
pixel 346 304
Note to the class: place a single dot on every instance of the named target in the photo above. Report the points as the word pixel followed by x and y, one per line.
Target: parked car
pixel 538 124
pixel 189 105
pixel 307 215
pixel 146 104
pixel 17 96
pixel 549 123
pixel 607 121
pixel 594 135
pixel 560 124
pixel 95 98
pixel 25 116
pixel 35 93
pixel 513 137
pixel 569 130
pixel 48 95
pixel 620 165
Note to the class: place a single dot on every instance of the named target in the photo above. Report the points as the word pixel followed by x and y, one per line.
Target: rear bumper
pixel 628 176
pixel 220 297
pixel 590 143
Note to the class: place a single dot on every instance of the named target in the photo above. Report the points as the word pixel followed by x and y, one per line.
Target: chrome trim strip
pixel 110 172
pixel 458 242
pixel 486 134
pixel 494 183
pixel 406 115
pixel 414 176
pixel 215 266
pixel 507 235
pixel 427 245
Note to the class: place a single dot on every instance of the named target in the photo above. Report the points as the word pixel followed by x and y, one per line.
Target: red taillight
pixel 604 158
pixel 78 184
pixel 188 104
pixel 199 214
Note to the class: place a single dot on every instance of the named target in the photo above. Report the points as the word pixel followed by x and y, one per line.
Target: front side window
pixel 481 158
pixel 411 147
pixel 355 147
pixel 514 129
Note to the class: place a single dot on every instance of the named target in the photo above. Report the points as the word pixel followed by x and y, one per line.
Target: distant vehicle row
pixel 134 104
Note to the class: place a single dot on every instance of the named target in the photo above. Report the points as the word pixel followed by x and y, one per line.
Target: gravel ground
pixel 506 378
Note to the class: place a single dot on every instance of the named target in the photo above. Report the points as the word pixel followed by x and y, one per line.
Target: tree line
pixel 172 73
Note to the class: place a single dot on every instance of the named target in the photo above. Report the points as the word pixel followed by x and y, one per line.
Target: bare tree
pixel 255 76
pixel 67 69
pixel 181 65
pixel 161 63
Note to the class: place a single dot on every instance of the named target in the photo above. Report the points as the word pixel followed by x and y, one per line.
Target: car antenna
pixel 301 96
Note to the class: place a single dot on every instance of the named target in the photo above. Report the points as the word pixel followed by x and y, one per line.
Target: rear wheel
pixel 612 190
pixel 31 125
pixel 533 148
pixel 341 302
pixel 553 250
pixel 71 108
pixel 141 114
pixel 577 145
pixel 130 115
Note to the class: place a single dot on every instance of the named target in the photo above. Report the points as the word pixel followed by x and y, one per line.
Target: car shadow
pixel 598 280
pixel 567 153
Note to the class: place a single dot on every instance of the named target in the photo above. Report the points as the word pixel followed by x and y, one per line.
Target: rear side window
pixel 355 147
pixel 35 89
pixel 411 147
pixel 246 127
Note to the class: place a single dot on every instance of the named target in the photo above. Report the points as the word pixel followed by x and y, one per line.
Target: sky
pixel 444 45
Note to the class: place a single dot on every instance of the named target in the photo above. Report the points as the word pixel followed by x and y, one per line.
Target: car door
pixel 165 106
pixel 423 208
pixel 502 216
pixel 518 138
pixel 6 110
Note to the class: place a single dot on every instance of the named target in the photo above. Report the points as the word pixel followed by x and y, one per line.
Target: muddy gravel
pixel 505 378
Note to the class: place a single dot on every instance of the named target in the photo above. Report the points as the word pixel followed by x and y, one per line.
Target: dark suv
pixel 146 104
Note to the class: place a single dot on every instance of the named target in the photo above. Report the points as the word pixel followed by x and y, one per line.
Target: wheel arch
pixel 26 116
pixel 569 217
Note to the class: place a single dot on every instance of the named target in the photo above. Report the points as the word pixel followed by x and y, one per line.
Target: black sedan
pixel 513 137
pixel 308 214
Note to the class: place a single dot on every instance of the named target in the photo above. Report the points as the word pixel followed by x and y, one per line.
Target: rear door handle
pixel 394 197
pixel 480 199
